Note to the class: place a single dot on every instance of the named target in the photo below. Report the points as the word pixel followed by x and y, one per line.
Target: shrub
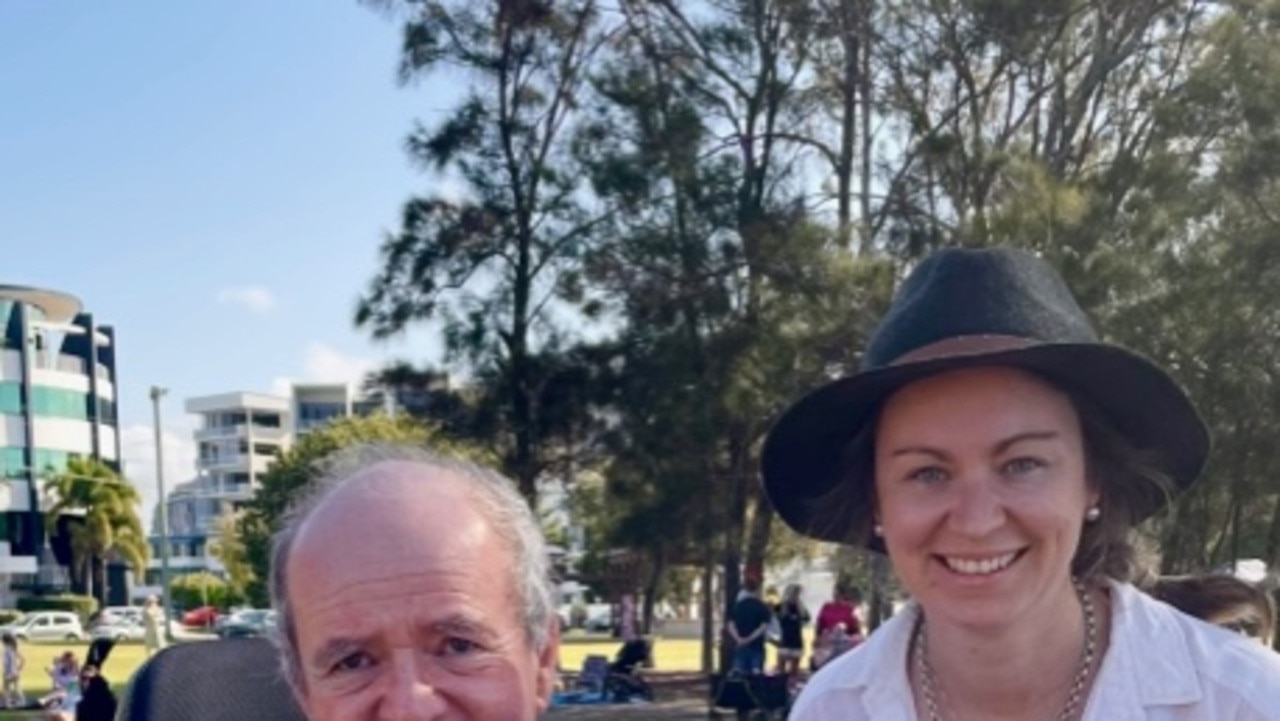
pixel 192 590
pixel 85 606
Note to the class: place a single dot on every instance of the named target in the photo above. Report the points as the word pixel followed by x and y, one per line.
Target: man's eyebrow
pixel 461 625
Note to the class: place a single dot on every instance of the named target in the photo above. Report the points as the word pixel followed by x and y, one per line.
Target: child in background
pixel 65 674
pixel 13 663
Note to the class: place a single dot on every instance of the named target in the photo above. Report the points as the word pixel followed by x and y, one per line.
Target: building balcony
pixel 236 462
pixel 242 430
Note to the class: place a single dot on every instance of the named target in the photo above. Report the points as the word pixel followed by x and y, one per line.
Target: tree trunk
pixel 709 630
pixel 1273 537
pixel 758 534
pixel 658 566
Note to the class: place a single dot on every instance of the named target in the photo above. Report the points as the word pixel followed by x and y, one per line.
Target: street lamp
pixel 156 394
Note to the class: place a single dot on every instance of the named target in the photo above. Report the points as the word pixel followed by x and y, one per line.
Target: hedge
pixel 85 606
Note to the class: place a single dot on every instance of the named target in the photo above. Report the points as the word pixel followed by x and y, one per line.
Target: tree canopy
pixel 292 473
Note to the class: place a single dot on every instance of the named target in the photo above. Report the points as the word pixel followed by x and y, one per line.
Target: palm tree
pixel 104 507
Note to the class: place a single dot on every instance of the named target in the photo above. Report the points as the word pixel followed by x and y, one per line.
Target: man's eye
pixel 460 646
pixel 353 662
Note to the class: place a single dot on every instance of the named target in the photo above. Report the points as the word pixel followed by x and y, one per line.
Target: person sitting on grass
pixel 65 674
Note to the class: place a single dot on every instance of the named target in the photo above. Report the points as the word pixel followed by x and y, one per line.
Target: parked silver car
pixel 122 629
pixel 46 626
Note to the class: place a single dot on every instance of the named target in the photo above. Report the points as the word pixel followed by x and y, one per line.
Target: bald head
pixel 393 513
pixel 400 504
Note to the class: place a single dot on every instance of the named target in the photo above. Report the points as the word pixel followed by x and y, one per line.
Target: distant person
pixel 1222 600
pixel 60 703
pixel 792 616
pixel 410 586
pixel 747 625
pixel 97 701
pixel 153 621
pixel 14 662
pixel 838 627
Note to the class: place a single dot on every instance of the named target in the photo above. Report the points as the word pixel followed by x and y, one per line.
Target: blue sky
pixel 213 178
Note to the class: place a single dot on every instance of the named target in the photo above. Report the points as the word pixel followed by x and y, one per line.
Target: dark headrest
pixel 235 679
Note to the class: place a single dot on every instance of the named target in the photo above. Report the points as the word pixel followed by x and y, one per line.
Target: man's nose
pixel 409 693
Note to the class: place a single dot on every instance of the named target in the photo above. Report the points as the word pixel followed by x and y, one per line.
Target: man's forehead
pixel 392 503
pixel 392 485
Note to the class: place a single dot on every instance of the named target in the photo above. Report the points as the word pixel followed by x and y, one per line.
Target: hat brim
pixel 802 461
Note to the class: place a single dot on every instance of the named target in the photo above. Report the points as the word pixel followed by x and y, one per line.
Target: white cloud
pixel 322 363
pixel 138 452
pixel 253 298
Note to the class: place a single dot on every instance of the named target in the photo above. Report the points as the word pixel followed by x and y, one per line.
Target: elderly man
pixel 414 587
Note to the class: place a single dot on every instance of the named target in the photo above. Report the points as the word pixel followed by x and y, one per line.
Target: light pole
pixel 156 394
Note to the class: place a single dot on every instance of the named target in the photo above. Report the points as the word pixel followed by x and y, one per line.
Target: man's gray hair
pixel 495 497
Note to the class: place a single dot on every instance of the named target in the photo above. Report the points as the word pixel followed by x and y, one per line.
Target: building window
pixel 11 398
pixel 107 411
pixel 13 462
pixel 47 462
pixel 266 420
pixel 59 403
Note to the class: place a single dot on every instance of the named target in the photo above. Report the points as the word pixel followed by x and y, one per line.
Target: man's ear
pixel 548 665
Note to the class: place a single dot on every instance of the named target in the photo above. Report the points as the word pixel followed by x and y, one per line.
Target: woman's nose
pixel 977 509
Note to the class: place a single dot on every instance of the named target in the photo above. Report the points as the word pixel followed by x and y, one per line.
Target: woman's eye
pixel 1023 465
pixel 928 474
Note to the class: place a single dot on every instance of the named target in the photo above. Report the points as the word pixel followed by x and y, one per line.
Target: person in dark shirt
pixel 98 703
pixel 748 622
pixel 792 616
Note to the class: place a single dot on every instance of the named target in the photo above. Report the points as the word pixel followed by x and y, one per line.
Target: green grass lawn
pixel 669 654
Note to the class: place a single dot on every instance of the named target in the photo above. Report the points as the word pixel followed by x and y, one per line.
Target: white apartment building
pixel 240 435
pixel 57 402
pixel 314 404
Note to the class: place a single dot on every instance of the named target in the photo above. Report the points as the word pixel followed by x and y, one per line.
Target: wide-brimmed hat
pixel 965 308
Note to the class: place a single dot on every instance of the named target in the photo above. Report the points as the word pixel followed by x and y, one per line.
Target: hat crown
pixel 957 293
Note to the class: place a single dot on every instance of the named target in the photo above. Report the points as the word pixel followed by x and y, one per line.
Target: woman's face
pixel 981 491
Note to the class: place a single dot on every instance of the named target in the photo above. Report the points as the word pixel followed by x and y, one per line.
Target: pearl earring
pixel 878 529
pixel 1093 514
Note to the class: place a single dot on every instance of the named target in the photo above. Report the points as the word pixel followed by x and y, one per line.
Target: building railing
pixel 239 430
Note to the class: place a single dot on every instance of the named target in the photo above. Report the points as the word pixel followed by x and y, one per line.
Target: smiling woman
pixel 1000 454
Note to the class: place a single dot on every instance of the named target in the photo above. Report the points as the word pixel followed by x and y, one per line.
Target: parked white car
pixel 46 626
pixel 123 629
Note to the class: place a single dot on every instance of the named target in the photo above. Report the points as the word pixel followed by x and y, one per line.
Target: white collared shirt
pixel 1161 665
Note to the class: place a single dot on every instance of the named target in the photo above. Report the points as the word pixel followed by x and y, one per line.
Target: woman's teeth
pixel 979 566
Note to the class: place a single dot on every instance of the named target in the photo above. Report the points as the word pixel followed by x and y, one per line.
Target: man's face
pixel 405 608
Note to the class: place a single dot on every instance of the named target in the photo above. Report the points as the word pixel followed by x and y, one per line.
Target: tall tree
pixel 715 264
pixel 100 510
pixel 294 471
pixel 229 549
pixel 494 262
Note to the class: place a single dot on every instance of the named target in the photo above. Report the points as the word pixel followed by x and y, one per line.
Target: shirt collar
pixel 1147 662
